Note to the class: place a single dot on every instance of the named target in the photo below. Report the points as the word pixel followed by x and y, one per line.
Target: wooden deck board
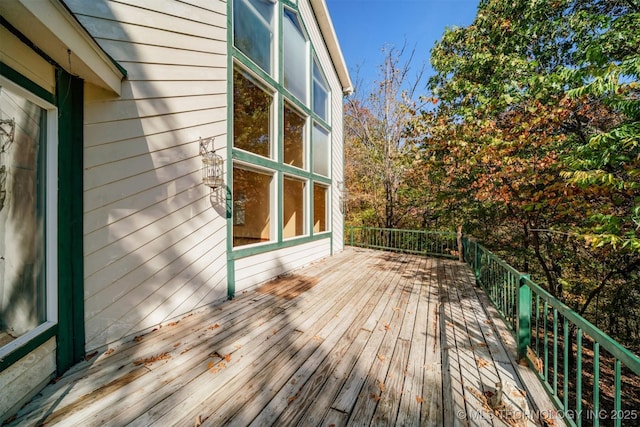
pixel 361 338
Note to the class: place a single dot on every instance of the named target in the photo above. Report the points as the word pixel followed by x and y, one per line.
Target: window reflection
pixel 251 116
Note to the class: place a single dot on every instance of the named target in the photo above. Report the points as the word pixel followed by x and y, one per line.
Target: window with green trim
pixel 281 142
pixel 320 197
pixel 253 30
pixel 295 52
pixel 26 291
pixel 320 92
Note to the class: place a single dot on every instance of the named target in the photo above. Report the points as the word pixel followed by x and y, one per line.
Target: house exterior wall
pixel 154 248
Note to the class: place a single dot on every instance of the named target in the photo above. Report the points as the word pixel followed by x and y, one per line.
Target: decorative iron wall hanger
pixel 7 134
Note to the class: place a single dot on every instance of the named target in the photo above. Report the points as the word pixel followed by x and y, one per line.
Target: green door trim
pixel 71 333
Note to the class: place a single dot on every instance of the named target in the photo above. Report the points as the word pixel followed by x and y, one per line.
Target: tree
pixel 536 128
pixel 376 149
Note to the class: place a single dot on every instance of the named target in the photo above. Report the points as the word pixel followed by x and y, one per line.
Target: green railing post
pixel 351 235
pixel 523 329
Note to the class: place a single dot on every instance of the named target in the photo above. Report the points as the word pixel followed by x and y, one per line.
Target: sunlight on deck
pixel 364 337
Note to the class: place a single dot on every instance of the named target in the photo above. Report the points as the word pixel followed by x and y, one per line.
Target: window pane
pixel 320 151
pixel 295 56
pixel 251 207
pixel 251 116
pixel 293 137
pixel 293 221
pixel 320 93
pixel 22 147
pixel 319 208
pixel 253 30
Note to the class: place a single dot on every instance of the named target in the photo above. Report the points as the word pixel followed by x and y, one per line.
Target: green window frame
pixel 37 183
pixel 300 114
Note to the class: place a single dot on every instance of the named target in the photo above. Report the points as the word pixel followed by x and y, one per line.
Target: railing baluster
pixel 596 384
pixel 537 324
pixel 579 378
pixel 565 362
pixel 618 394
pixel 546 342
pixel 555 352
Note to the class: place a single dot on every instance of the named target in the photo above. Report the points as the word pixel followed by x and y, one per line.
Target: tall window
pixel 293 137
pixel 251 206
pixel 296 72
pixel 281 129
pixel 293 211
pixel 251 116
pixel 23 146
pixel 320 92
pixel 319 208
pixel 253 30
pixel 320 150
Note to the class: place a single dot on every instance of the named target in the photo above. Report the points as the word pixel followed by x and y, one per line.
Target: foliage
pixel 536 130
pixel 376 149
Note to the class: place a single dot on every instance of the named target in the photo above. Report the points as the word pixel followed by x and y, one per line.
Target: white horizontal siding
pixel 260 268
pixel 154 246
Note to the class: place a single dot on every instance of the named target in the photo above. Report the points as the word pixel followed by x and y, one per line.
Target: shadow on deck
pixel 364 337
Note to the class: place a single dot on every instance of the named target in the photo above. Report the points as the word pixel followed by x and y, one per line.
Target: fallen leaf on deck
pixel 108 352
pixel 152 359
pixel 198 421
pixel 381 385
pixel 381 357
pixel 138 338
pixel 292 398
pixel 396 308
pixel 227 357
pixel 375 397
pixel 176 345
pixel 173 323
pixel 419 399
pixel 482 363
pixel 90 356
pixel 386 327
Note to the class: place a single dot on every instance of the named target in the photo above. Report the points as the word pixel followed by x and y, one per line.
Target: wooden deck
pixel 364 337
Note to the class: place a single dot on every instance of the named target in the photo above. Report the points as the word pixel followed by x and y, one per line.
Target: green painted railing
pixel 567 352
pixel 421 242
pixel 574 360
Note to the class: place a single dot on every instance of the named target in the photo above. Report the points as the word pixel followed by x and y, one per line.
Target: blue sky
pixel 365 26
